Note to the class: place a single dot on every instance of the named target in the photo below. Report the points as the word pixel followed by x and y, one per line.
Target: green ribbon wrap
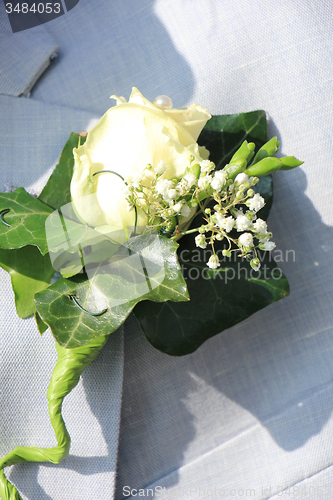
pixel 65 376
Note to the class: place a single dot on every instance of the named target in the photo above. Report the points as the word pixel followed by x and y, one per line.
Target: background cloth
pixel 24 56
pixel 248 414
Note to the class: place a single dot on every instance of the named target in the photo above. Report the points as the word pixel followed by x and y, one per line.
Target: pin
pixel 122 178
pixel 74 299
pixel 2 214
pixel 110 172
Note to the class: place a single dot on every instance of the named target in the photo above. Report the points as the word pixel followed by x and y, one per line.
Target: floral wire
pixel 110 172
pixel 2 214
pixel 122 178
pixel 145 272
pixel 135 220
pixel 76 302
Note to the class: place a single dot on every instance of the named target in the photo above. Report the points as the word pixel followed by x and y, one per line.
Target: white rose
pixel 127 138
pixel 193 118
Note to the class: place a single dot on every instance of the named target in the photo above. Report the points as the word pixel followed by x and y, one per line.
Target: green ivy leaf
pixel 56 192
pixel 73 245
pixel 144 268
pixel 30 273
pixel 224 134
pixel 219 300
pixel 23 220
pixel 42 327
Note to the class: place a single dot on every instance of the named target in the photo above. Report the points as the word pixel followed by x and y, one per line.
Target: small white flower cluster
pixel 167 203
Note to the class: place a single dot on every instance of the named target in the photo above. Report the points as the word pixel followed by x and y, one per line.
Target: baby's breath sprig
pixel 170 204
pixel 228 214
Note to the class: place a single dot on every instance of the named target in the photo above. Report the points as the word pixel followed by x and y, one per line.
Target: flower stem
pixel 179 235
pixel 65 376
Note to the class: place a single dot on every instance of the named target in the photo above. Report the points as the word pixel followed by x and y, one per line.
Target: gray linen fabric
pixel 24 56
pixel 249 413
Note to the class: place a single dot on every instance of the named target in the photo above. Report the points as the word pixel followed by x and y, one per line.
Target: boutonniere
pixel 156 210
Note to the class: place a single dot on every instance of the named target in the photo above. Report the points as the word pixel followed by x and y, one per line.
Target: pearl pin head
pixel 163 102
